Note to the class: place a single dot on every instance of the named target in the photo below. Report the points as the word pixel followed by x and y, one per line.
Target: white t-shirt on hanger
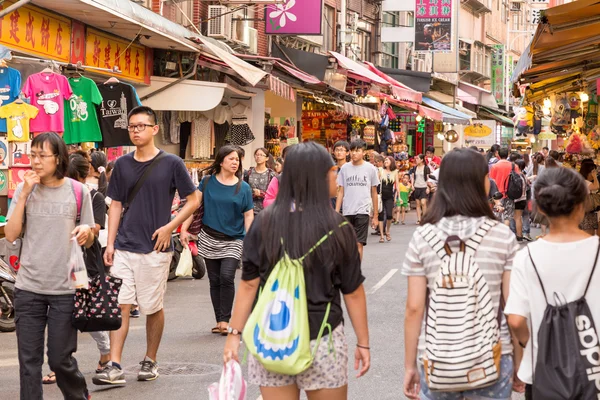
pixel 564 268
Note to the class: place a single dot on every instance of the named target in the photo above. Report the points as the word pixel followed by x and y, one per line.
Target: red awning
pixel 359 70
pixel 400 91
pixel 431 113
pixel 301 75
pixel 422 110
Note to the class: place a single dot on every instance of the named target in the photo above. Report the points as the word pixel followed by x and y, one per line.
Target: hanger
pixel 3 63
pixel 47 70
pixel 18 100
pixel 112 79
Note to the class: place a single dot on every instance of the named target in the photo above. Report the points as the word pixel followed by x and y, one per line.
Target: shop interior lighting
pixel 418 118
pixel 532 140
pixel 547 103
pixel 546 110
pixel 584 97
pixel 441 136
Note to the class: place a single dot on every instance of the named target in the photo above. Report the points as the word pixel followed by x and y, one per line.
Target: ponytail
pixel 99 163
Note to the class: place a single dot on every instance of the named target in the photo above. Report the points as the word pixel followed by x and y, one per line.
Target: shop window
pixel 464 56
pixel 391 18
pixel 362 49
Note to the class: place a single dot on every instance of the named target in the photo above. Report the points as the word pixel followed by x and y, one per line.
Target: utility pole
pixel 343 26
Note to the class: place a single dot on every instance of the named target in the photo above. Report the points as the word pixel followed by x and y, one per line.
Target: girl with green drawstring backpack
pixel 300 257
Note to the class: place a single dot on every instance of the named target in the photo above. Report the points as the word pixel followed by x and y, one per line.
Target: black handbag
pixel 97 308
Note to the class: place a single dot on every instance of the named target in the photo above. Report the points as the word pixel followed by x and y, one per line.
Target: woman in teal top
pixel 228 214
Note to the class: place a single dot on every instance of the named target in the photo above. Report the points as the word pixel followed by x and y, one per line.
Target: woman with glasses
pixel 259 178
pixel 48 202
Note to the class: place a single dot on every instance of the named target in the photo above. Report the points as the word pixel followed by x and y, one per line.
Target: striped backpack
pixel 462 335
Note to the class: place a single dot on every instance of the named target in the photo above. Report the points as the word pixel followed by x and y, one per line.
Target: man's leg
pixel 118 337
pixel 155 325
pixel 62 343
pixel 31 313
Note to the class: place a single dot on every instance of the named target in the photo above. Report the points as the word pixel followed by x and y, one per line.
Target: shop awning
pixel 431 113
pixel 281 89
pixel 450 114
pixel 420 109
pixel 487 113
pixel 476 95
pixel 301 75
pixel 311 63
pixel 359 71
pixel 416 80
pixel 400 91
pixel 178 96
pixel 361 112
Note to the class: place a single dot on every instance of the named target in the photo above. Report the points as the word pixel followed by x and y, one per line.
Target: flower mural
pixel 282 11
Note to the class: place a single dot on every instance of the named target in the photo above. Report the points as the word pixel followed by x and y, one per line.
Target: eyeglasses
pixel 40 157
pixel 139 127
pixel 259 155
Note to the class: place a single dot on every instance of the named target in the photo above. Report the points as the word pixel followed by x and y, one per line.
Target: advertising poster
pixel 19 154
pixel 433 26
pixel 324 127
pixel 294 17
pixel 498 73
pixel 480 133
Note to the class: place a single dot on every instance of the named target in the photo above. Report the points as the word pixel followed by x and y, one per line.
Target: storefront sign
pixel 38 32
pixel 295 17
pixel 480 133
pixel 546 136
pixel 325 127
pixel 433 26
pixel 106 51
pixel 498 73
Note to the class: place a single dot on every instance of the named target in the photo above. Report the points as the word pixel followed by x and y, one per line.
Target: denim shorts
pixel 502 389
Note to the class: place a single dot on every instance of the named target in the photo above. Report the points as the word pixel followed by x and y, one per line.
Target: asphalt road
pixel 190 355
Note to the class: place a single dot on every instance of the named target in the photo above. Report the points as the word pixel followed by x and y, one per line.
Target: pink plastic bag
pixel 231 386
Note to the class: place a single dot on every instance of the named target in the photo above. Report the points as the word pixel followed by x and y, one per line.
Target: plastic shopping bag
pixel 231 386
pixel 184 268
pixel 78 271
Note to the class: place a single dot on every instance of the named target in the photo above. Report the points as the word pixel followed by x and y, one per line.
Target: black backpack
pixel 514 185
pixel 568 351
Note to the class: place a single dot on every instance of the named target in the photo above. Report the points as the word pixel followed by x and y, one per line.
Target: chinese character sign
pixel 433 26
pixel 498 73
pixel 294 17
pixel 106 51
pixel 35 31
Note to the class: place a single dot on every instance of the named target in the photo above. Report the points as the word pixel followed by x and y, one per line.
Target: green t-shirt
pixel 81 121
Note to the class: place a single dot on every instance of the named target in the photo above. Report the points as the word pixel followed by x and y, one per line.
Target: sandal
pixel 102 366
pixel 388 237
pixel 49 379
pixel 216 330
pixel 381 240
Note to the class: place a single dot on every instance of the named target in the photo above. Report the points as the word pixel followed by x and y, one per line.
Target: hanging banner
pixel 294 17
pixel 480 133
pixel 35 31
pixel 498 73
pixel 106 51
pixel 433 26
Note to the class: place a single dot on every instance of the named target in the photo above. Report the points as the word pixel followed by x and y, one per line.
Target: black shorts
pixel 420 193
pixel 520 205
pixel 360 222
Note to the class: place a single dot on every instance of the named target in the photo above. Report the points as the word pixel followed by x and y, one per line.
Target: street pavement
pixel 190 356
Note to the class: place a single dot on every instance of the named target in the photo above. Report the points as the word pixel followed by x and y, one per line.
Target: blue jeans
pixel 526 223
pixel 501 390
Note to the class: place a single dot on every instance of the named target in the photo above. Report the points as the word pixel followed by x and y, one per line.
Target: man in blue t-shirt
pixel 139 245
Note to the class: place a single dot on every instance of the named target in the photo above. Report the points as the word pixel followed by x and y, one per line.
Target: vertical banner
pixel 295 17
pixel 498 73
pixel 433 26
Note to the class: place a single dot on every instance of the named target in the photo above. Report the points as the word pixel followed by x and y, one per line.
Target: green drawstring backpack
pixel 277 333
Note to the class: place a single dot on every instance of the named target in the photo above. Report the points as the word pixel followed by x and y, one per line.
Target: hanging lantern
pixel 451 136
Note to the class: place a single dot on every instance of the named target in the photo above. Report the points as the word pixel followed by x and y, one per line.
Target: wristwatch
pixel 233 331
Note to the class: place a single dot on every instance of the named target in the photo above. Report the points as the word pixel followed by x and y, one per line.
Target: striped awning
pixel 281 89
pixel 361 112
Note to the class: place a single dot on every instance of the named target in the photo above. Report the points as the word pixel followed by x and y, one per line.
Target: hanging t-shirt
pixel 17 116
pixel 10 87
pixel 118 100
pixel 47 92
pixel 81 119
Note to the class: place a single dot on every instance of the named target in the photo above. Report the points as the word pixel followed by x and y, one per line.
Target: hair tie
pixel 101 170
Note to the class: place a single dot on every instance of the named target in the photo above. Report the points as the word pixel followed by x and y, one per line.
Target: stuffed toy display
pixel 538 116
pixel 575 104
pixel 524 120
pixel 561 117
pixel 578 144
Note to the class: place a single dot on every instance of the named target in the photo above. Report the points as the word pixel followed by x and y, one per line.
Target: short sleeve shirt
pixel 45 257
pixel 10 87
pixel 151 208
pixel 47 92
pixel 17 117
pixel 357 181
pixel 81 120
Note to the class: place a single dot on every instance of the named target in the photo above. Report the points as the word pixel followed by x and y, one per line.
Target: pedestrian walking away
pixel 388 176
pixel 538 294
pixel 454 324
pixel 228 214
pixel 358 181
pixel 325 264
pixel 47 303
pixel 140 248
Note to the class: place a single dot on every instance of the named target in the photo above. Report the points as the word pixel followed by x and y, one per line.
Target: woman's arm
pixel 248 219
pixel 413 319
pixel 356 304
pixel 594 184
pixel 244 299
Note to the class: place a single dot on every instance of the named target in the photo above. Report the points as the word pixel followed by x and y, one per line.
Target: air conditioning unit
pixel 419 64
pixel 252 40
pixel 219 24
pixel 515 6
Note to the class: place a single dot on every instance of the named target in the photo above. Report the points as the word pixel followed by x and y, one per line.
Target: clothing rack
pixel 79 66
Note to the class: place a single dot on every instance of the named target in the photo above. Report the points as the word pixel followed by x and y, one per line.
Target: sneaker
pixel 110 375
pixel 527 238
pixel 134 313
pixel 149 371
pixel 520 239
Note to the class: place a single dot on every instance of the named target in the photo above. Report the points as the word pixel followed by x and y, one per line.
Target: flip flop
pixel 49 379
pixel 381 240
pixel 216 330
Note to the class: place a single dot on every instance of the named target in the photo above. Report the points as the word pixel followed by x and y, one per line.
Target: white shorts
pixel 144 278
